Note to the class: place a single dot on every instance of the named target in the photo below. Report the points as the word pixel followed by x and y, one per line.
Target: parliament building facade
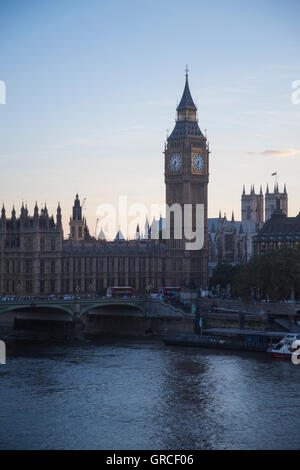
pixel 36 259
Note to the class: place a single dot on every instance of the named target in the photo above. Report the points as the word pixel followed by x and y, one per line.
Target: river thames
pixel 139 394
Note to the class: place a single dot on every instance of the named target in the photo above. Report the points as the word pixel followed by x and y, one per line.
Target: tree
pixel 222 275
pixel 274 274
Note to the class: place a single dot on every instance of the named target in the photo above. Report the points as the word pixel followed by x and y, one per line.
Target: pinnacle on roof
pixel 101 235
pixel 119 237
pixel 137 232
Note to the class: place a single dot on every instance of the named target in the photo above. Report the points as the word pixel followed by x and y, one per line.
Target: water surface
pixel 139 394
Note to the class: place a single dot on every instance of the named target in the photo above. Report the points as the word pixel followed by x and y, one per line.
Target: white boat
pixel 288 346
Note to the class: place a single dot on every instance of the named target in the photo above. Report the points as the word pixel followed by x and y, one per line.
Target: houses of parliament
pixel 36 259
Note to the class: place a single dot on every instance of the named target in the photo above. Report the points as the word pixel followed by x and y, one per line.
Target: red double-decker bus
pixel 120 292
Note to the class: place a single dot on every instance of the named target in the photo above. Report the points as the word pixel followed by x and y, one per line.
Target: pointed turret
pixel 119 237
pixel 160 227
pixel 267 190
pixel 22 211
pixel 186 122
pixel 137 233
pixel 147 234
pixel 58 216
pixel 77 225
pixel 77 209
pixel 36 215
pixel 3 221
pixel 101 235
pixel 36 209
pixel 186 102
pixel 87 235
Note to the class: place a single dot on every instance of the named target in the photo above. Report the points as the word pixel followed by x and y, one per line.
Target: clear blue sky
pixel 92 88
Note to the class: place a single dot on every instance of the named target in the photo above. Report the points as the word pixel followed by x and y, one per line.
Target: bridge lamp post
pixel 149 288
pixel 77 289
pixel 90 287
pixel 19 289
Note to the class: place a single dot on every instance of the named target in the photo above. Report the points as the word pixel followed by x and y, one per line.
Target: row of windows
pixel 15 266
pixel 46 246
pixel 81 265
pixel 13 242
pixel 18 287
pixel 47 266
pixel 86 265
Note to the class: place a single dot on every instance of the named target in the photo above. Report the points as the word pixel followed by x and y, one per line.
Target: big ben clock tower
pixel 186 178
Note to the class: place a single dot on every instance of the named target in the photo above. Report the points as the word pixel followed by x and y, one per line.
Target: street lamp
pixel 19 289
pixel 77 289
pixel 149 288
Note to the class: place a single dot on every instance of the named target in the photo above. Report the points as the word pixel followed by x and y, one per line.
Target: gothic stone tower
pixel 77 221
pixel 275 200
pixel 186 178
pixel 253 207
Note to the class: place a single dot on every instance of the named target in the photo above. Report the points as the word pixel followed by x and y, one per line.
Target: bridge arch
pixel 40 309
pixel 131 305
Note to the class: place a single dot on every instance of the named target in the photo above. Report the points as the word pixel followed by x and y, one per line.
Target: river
pixel 124 393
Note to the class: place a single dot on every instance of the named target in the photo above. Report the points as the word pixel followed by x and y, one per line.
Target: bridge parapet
pixel 78 307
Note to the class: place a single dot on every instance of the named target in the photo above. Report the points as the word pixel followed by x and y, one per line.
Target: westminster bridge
pixel 140 315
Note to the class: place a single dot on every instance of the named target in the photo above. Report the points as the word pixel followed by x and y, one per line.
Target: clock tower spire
pixel 186 179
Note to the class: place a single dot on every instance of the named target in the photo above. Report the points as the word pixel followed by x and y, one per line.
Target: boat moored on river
pixel 288 346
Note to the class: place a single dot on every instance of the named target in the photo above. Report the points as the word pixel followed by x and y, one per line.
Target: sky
pixel 92 88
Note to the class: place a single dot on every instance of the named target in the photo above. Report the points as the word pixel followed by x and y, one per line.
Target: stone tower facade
pixel 186 179
pixel 30 252
pixel 253 207
pixel 77 221
pixel 275 200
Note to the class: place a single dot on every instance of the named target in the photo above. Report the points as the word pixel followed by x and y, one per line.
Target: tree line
pixel 273 275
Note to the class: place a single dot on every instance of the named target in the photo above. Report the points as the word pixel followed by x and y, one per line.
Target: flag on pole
pixel 273 174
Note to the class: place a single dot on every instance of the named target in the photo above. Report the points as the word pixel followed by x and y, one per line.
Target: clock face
pixel 175 162
pixel 198 162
